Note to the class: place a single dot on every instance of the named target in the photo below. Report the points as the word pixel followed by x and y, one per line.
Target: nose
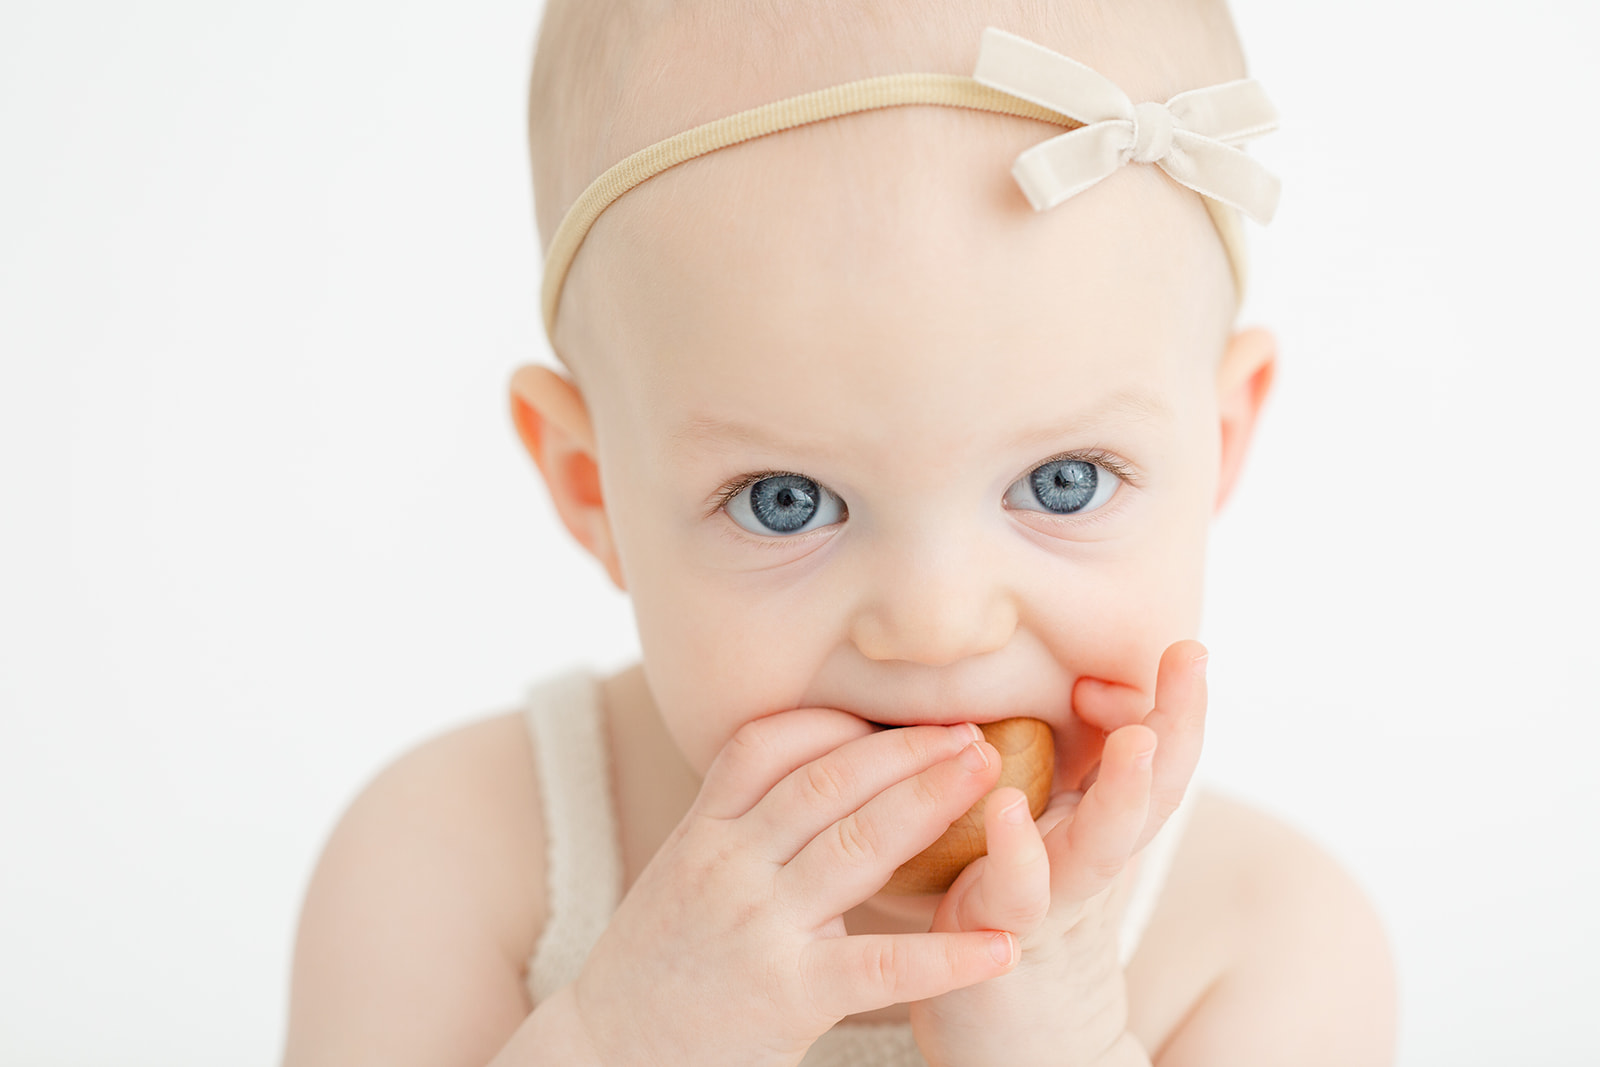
pixel 933 606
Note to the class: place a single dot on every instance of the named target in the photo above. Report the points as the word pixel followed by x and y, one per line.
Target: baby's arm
pixel 1311 980
pixel 422 910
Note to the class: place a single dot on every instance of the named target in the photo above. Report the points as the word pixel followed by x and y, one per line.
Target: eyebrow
pixel 1126 405
pixel 706 431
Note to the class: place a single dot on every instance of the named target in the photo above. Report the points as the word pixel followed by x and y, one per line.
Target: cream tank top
pixel 584 866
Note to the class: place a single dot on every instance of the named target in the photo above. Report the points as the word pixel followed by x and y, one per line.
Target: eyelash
pixel 1098 456
pixel 721 497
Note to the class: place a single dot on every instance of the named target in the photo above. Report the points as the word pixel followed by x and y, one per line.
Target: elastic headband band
pixel 1192 137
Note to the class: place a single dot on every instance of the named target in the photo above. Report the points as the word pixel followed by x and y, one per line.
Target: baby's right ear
pixel 554 424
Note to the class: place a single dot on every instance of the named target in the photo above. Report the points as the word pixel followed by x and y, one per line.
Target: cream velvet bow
pixel 1191 136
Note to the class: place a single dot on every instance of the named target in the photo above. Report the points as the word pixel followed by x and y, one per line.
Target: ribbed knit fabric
pixel 583 859
pixel 584 866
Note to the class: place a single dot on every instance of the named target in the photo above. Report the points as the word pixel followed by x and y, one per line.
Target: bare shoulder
pixel 1306 976
pixel 423 908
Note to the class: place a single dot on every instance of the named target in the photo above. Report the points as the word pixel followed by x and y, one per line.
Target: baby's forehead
pixel 895 223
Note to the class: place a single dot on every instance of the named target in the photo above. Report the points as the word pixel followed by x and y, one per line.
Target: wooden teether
pixel 1027 761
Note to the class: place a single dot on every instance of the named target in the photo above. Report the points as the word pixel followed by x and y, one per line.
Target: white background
pixel 265 269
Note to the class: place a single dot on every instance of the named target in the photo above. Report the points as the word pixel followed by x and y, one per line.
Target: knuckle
pixel 954 960
pixel 925 792
pixel 1163 806
pixel 827 781
pixel 1028 914
pixel 752 749
pixel 890 965
pixel 754 738
pixel 1103 870
pixel 925 743
pixel 856 839
pixel 1191 727
pixel 1016 910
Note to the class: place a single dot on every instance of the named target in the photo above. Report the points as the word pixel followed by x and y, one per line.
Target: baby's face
pixel 878 437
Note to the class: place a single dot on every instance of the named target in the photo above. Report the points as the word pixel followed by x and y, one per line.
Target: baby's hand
pixel 1050 883
pixel 731 947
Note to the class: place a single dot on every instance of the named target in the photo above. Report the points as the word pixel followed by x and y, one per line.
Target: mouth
pixel 1026 737
pixel 1076 768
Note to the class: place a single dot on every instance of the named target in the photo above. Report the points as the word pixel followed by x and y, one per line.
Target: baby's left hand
pixel 1050 883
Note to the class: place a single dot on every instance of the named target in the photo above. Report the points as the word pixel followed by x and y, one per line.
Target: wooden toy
pixel 1027 761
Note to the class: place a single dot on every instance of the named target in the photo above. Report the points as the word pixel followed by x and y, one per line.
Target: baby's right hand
pixel 731 947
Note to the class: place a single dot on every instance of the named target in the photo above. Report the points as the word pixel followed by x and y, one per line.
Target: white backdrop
pixel 266 267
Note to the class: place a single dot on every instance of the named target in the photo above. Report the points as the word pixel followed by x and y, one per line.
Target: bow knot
pixel 1152 133
pixel 1193 136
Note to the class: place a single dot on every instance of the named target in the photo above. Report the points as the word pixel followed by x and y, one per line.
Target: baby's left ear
pixel 1243 381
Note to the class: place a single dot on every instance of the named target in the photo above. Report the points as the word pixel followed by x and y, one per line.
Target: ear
pixel 554 424
pixel 1243 380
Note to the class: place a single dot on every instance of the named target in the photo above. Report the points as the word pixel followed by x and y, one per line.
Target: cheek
pixel 1110 639
pixel 1124 612
pixel 719 652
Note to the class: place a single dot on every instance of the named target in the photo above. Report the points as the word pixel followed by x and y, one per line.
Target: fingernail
pixel 1002 948
pixel 1143 759
pixel 1199 663
pixel 1016 812
pixel 973 759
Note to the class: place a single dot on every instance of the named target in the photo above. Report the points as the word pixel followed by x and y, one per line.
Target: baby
pixel 884 443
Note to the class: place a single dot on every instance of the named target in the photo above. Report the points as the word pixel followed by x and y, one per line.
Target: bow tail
pixel 1223 173
pixel 1033 72
pixel 1066 165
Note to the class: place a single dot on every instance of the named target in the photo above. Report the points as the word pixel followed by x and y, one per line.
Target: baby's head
pixel 854 425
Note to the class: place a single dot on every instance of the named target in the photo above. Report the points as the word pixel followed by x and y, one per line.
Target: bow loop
pixel 1193 136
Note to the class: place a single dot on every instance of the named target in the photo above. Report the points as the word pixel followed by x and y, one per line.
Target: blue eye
pixel 1063 487
pixel 784 504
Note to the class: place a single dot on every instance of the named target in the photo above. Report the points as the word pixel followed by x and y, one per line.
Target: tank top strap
pixel 583 861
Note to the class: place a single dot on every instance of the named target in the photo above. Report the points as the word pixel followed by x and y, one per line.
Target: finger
pixel 853 857
pixel 764 750
pixel 1179 720
pixel 1088 850
pixel 846 975
pixel 1108 705
pixel 1062 806
pixel 1078 744
pixel 1009 888
pixel 815 796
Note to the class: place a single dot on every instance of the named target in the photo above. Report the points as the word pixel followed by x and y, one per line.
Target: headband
pixel 1193 137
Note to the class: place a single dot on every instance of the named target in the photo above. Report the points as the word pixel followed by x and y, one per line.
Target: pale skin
pixel 916 351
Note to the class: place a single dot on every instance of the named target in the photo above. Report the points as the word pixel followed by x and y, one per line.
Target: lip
pixel 956 719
